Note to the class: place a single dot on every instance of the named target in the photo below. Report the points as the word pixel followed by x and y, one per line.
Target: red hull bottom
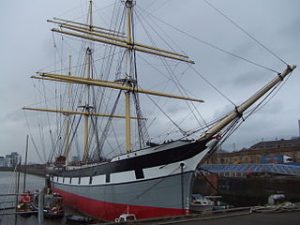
pixel 109 211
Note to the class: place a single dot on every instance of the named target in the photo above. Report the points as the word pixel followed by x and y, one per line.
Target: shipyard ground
pixel 241 216
pixel 287 218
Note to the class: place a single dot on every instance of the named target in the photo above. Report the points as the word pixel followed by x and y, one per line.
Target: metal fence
pixel 7 201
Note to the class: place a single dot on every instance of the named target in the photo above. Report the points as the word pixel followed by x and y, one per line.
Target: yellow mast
pixel 85 26
pixel 123 44
pixel 87 115
pixel 129 85
pixel 238 111
pixel 129 6
pixel 87 106
pixel 111 84
pixel 69 112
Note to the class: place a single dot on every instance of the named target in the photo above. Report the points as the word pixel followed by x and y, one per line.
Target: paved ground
pixel 287 218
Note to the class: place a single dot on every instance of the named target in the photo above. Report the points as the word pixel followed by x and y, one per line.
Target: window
pixel 107 178
pixel 139 174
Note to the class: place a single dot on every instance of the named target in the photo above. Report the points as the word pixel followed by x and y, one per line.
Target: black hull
pixel 152 182
pixel 135 162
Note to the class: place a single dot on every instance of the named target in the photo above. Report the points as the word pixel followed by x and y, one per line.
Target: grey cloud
pixel 29 49
pixel 249 78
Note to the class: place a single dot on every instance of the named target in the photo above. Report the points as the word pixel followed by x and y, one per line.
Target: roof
pixel 284 169
pixel 277 143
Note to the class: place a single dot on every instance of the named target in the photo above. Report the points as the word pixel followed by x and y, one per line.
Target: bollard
pixel 41 208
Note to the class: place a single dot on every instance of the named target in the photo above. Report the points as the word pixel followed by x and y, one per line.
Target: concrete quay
pixel 235 216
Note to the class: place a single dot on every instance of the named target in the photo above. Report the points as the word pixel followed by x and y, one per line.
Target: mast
pixel 25 164
pixel 238 111
pixel 87 105
pixel 68 112
pixel 87 108
pixel 113 39
pixel 129 80
pixel 110 84
pixel 128 83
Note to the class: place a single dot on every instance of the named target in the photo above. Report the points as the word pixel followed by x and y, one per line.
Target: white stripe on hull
pixel 189 165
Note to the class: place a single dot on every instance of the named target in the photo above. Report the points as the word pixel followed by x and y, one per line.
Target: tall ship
pixel 145 177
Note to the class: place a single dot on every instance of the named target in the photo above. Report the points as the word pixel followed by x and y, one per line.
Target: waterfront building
pixel 8 162
pixel 2 161
pixel 14 159
pixel 276 151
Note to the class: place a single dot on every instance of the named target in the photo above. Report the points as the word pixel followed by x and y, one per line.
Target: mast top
pixel 106 36
pixel 129 3
pixel 239 110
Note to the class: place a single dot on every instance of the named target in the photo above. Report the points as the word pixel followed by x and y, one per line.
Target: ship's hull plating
pixel 151 198
pixel 160 187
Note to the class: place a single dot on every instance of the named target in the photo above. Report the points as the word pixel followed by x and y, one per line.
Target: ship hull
pixel 148 184
pixel 146 199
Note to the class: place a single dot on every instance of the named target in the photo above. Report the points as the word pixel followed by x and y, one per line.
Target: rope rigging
pixel 173 122
pixel 171 75
pixel 105 131
pixel 109 60
pixel 245 32
pixel 141 124
pixel 232 54
pixel 212 45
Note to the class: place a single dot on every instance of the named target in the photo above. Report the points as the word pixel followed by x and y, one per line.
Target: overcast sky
pixel 26 42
